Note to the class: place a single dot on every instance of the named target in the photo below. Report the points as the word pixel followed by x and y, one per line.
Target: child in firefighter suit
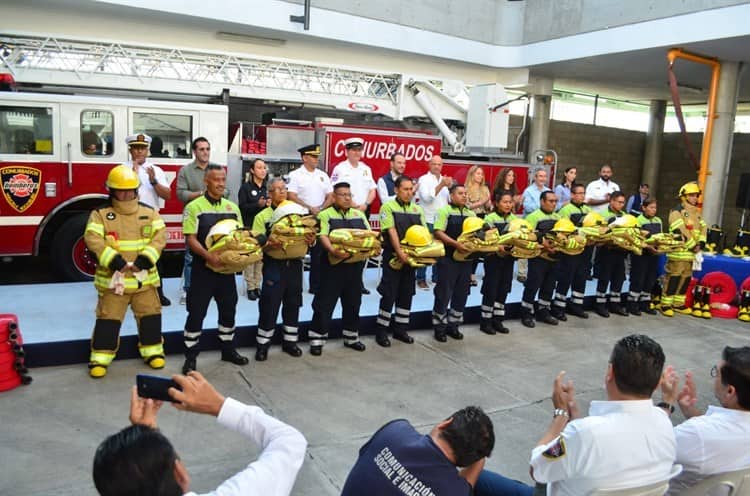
pixel 686 220
pixel 127 238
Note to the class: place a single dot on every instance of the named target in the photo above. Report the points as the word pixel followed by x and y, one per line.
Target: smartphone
pixel 151 386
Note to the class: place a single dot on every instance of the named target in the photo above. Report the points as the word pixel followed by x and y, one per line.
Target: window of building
pixel 171 134
pixel 97 131
pixel 26 130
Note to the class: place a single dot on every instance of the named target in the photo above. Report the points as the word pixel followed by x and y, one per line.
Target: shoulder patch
pixel 556 451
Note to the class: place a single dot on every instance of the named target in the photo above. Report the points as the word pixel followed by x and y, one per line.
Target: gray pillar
pixel 654 138
pixel 721 144
pixel 539 132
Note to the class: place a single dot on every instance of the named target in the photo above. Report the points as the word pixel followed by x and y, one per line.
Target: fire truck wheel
pixel 71 259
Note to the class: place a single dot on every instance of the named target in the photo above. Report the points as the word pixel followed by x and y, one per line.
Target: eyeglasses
pixel 344 195
pixel 714 371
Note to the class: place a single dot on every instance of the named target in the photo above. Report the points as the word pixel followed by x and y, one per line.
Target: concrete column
pixel 721 145
pixel 654 138
pixel 539 131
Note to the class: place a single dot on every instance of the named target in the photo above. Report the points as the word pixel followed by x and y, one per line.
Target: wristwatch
pixel 560 412
pixel 154 182
pixel 666 406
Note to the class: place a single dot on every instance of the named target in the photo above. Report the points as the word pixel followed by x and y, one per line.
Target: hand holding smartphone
pixel 155 387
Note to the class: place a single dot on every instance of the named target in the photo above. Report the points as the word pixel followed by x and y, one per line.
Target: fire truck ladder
pixel 68 62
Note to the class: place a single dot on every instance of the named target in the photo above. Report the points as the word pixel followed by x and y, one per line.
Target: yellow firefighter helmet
pixel 519 225
pixel 690 188
pixel 626 220
pixel 221 229
pixel 472 224
pixel 417 235
pixel 564 225
pixel 122 177
pixel 592 219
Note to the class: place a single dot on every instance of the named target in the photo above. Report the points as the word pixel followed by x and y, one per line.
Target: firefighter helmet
pixel 472 224
pixel 519 225
pixel 592 219
pixel 626 220
pixel 221 229
pixel 122 177
pixel 564 225
pixel 417 235
pixel 690 188
pixel 287 207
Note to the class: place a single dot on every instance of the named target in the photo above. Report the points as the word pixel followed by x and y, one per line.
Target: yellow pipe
pixel 676 53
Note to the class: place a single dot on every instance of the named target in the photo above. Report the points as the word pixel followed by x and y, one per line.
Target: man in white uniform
pixel 359 176
pixel 311 188
pixel 139 458
pixel 625 441
pixel 432 193
pixel 154 189
pixel 718 440
pixel 597 192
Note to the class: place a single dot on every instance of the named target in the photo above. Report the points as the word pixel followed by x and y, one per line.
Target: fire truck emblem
pixel 20 186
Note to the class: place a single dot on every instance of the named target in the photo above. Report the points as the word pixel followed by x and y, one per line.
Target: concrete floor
pixel 51 428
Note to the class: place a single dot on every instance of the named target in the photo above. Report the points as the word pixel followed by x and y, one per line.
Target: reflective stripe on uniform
pixel 151 253
pixel 101 357
pixel 151 350
pixel 108 254
pixel 96 228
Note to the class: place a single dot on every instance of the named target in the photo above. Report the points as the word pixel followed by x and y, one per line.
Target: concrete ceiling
pixel 641 75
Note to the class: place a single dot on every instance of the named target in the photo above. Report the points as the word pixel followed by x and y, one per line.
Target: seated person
pixel 90 143
pixel 625 441
pixel 398 460
pixel 140 459
pixel 716 441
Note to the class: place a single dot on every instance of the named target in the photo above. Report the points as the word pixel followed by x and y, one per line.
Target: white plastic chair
pixel 654 489
pixel 736 483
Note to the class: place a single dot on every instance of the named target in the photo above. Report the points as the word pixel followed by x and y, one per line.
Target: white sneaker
pixel 183 298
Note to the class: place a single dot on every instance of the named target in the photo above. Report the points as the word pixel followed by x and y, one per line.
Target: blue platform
pixel 737 268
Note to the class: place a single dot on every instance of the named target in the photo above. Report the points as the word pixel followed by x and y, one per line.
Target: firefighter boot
pixel 544 315
pixel 440 333
pixel 497 325
pixel 697 301
pixel 706 303
pixel 191 359
pixel 229 354
pixel 453 332
pixel 558 313
pixel 577 310
pixel 97 370
pixel 485 325
pixel 633 307
pixel 648 307
pixel 527 318
pixel 601 309
pixel 744 313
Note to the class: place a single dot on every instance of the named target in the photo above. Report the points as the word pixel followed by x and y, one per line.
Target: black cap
pixel 309 150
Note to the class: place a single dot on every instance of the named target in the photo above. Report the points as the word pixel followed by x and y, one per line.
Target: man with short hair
pixel 716 441
pixel 190 185
pixel 432 192
pixel 359 176
pixel 398 460
pixel 154 188
pixel 200 216
pixel 453 285
pixel 339 277
pixel 626 441
pixel 311 187
pixel 387 183
pixel 598 192
pixel 397 286
pixel 531 195
pixel 140 459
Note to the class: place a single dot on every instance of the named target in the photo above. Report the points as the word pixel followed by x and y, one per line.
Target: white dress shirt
pixel 428 200
pixel 146 192
pixel 283 451
pixel 311 187
pixel 359 178
pixel 621 444
pixel 598 190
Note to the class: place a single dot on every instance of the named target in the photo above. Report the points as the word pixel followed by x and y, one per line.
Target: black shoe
pixel 165 302
pixel 646 308
pixel 291 349
pixel 257 293
pixel 382 340
pixel 365 291
pixel 251 295
pixel 356 346
pixel 261 354
pixel 231 355
pixel 618 309
pixel 455 333
pixel 577 311
pixel 440 336
pixel 316 350
pixel 485 325
pixel 497 325
pixel 403 336
pixel 190 364
pixel 633 308
pixel 601 310
pixel 545 316
pixel 558 313
pixel 528 320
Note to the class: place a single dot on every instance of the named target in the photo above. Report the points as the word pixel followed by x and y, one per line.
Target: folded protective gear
pixel 361 244
pixel 236 247
pixel 627 238
pixel 569 243
pixel 291 230
pixel 664 242
pixel 419 256
pixel 478 241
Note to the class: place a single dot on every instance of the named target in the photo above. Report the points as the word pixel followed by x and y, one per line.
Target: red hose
pixel 723 287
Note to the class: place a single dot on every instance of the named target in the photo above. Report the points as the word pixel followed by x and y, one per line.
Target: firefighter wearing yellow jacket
pixel 127 238
pixel 685 220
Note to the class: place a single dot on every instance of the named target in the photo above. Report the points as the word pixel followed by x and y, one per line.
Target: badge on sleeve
pixel 254 193
pixel 556 450
pixel 111 216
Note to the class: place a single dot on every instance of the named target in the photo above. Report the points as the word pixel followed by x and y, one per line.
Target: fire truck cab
pixel 56 151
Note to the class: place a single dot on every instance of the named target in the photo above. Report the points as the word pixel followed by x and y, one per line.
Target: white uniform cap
pixel 354 141
pixel 138 139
